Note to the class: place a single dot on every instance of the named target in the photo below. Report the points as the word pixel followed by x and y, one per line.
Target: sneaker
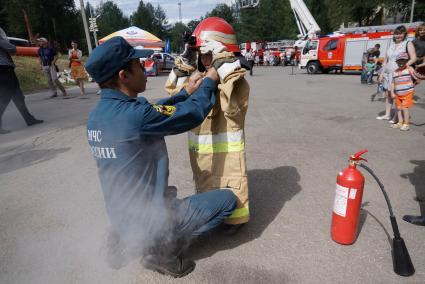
pixel 405 127
pixel 53 96
pixel 382 117
pixel 175 266
pixel 396 125
pixel 391 121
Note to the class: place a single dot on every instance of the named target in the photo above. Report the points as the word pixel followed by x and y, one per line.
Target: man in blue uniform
pixel 126 137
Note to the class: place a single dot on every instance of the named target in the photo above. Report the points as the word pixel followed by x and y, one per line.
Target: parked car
pixel 153 66
pixel 18 41
pixel 166 59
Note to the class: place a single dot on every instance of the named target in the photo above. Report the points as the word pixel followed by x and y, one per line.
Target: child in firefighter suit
pixel 217 146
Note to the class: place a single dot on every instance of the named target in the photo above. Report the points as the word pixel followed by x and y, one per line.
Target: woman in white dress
pixel 399 45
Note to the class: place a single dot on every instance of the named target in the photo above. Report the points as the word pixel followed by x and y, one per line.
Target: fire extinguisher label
pixel 341 200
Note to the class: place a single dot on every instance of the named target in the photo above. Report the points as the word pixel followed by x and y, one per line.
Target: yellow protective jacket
pixel 217 146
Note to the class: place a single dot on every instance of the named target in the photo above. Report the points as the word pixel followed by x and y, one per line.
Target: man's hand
pixel 212 74
pixel 212 46
pixel 195 81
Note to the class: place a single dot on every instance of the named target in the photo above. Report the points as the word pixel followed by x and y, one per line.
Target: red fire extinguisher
pixel 348 199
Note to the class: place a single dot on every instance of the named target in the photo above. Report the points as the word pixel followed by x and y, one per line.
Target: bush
pixel 29 73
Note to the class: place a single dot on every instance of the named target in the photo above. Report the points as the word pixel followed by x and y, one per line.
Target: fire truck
pixel 305 21
pixel 282 50
pixel 343 50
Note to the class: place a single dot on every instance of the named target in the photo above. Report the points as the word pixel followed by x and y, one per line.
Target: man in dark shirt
pixel 9 84
pixel 126 137
pixel 372 54
pixel 48 57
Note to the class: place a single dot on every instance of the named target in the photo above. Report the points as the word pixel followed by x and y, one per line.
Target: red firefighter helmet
pixel 215 28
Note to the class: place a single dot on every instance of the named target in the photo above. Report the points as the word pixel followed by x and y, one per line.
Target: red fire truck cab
pixel 343 52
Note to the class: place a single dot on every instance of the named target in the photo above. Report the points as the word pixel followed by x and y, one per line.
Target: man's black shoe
pixel 174 266
pixel 34 121
pixel 4 131
pixel 415 220
pixel 231 230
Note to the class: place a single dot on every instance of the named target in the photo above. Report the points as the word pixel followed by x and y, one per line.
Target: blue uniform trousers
pixel 198 214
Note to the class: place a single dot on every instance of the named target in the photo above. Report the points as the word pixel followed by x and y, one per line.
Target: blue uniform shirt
pixel 126 137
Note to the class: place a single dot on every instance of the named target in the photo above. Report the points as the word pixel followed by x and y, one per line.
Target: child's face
pixel 401 62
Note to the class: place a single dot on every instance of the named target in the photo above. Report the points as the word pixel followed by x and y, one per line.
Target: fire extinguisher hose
pixel 390 208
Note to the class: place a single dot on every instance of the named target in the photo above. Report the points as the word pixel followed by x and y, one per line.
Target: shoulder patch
pixel 165 110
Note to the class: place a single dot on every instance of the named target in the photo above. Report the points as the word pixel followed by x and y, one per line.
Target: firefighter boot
pixel 175 266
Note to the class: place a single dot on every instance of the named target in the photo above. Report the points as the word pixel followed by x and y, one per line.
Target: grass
pixel 30 75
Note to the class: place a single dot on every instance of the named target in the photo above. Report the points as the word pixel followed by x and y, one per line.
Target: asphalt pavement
pixel 300 131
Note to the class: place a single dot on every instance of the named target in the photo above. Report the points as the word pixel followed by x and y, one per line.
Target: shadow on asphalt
pixel 390 241
pixel 417 179
pixel 269 190
pixel 242 273
pixel 16 161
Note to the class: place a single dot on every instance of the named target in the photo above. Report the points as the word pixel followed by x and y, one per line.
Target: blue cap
pixel 107 59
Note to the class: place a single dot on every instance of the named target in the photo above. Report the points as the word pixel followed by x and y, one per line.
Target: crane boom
pixel 306 23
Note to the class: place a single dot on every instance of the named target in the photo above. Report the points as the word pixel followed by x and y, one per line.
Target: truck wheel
pixel 312 67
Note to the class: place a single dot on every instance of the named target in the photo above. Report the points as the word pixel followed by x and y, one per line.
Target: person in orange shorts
pixel 77 68
pixel 402 90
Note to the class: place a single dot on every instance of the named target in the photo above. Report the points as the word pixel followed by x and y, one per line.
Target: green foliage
pixel 176 37
pixel 150 18
pixel 272 20
pixel 192 24
pixel 53 19
pixel 223 11
pixel 111 18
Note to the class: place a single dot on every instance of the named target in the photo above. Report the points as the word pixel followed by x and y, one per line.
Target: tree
pixel 151 19
pixel 143 17
pixel 3 15
pixel 223 11
pixel 54 19
pixel 272 20
pixel 176 37
pixel 161 26
pixel 193 24
pixel 111 18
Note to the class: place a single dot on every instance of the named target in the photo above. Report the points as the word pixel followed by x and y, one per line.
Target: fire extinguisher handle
pixel 358 156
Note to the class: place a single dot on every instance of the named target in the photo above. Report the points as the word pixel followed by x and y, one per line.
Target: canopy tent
pixel 137 37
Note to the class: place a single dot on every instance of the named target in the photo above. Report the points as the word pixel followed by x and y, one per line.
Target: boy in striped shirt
pixel 402 90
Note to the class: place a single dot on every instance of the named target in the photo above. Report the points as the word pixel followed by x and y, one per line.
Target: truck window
pixel 331 45
pixel 311 45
